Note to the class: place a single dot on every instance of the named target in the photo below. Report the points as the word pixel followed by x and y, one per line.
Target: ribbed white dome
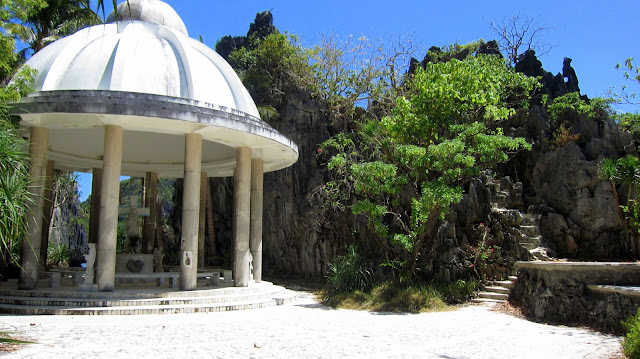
pixel 142 57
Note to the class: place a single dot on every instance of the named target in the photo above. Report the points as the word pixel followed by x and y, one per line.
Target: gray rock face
pixel 571 302
pixel 299 237
pixel 66 231
pixel 585 222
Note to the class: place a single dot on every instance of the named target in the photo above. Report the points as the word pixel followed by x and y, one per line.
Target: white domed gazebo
pixel 135 97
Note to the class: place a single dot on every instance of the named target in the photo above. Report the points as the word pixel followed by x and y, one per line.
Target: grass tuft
pixel 392 296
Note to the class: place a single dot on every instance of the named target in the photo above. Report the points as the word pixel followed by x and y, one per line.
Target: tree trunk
pixel 429 233
pixel 210 225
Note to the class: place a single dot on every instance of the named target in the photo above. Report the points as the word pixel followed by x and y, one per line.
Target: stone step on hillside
pixel 496 289
pixel 532 217
pixel 530 231
pixel 530 239
pixel 503 283
pixel 495 292
pixel 487 301
pixel 529 246
pixel 492 295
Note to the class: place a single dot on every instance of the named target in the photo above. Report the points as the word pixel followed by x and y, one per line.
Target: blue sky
pixel 595 34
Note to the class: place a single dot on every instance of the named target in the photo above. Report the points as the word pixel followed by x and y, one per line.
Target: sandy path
pixel 306 329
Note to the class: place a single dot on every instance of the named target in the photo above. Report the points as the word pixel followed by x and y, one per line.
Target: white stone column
pixel 242 206
pixel 190 212
pixel 33 239
pixel 257 185
pixel 109 201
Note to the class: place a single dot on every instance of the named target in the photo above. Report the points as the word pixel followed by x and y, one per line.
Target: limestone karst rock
pixel 559 183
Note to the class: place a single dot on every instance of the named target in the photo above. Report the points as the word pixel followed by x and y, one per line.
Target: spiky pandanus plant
pixel 14 189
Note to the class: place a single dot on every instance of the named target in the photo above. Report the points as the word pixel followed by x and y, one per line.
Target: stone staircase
pixel 495 292
pixel 130 302
pixel 530 229
pixel 528 224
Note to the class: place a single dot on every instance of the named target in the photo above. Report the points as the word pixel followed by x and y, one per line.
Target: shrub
pixel 58 254
pixel 562 136
pixel 595 108
pixel 405 297
pixel 459 291
pixel 395 296
pixel 347 273
pixel 629 122
pixel 631 342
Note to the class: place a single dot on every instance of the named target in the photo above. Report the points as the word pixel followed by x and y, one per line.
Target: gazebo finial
pixel 151 11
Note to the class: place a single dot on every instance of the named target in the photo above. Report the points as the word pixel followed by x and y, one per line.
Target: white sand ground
pixel 305 329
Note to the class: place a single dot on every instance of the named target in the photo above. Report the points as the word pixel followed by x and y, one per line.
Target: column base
pixel 87 287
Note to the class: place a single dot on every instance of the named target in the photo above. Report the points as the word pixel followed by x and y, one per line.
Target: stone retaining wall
pixel 560 293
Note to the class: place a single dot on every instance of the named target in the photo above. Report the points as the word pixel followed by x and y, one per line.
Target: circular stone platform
pixel 139 299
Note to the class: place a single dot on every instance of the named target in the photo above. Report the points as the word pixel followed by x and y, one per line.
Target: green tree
pixel 609 172
pixel 270 64
pixel 625 171
pixel 405 171
pixel 58 19
pixel 346 72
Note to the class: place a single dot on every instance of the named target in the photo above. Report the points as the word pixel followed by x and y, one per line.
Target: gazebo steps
pixel 133 291
pixel 66 302
pixel 118 303
pixel 134 310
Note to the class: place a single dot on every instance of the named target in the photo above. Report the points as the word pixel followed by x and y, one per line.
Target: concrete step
pixel 540 253
pixel 530 239
pixel 491 295
pixel 74 302
pixel 135 310
pixel 530 231
pixel 502 283
pixel 487 301
pixel 285 297
pixel 145 300
pixel 496 289
pixel 529 246
pixel 123 293
pixel 533 217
